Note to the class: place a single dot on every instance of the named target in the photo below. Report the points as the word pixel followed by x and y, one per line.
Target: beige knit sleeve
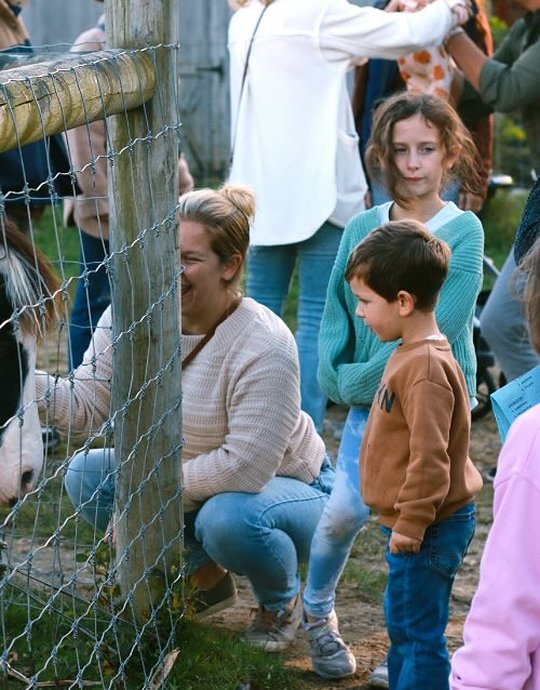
pixel 81 401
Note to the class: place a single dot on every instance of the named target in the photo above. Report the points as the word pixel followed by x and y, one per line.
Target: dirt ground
pixel 360 616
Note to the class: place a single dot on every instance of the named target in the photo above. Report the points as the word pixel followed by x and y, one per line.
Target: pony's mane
pixel 31 286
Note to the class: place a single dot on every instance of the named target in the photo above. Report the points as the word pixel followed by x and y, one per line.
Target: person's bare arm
pixel 469 58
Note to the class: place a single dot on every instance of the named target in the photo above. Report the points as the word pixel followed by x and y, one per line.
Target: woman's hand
pixel 462 11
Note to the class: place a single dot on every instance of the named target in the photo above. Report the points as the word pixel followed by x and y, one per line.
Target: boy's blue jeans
pixel 417 599
pixel 269 274
pixel 263 536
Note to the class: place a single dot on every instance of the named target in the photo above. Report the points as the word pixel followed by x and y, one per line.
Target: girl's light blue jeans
pixel 263 536
pixel 343 517
pixel 269 274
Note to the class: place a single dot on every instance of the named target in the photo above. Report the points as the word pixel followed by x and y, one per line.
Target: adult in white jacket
pixel 294 142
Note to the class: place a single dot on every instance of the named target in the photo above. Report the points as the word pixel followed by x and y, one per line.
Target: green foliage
pixel 59 244
pixel 500 218
pixel 499 29
pixel 511 154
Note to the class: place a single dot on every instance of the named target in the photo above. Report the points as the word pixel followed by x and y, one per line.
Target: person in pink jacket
pixel 501 648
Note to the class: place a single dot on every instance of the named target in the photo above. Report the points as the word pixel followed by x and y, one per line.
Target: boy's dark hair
pixel 401 255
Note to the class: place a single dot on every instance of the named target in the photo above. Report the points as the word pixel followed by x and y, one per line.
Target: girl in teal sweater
pixel 418 142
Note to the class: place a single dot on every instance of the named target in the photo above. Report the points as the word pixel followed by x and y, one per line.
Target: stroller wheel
pixel 485 385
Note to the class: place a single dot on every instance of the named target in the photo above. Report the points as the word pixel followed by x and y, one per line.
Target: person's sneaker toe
pixel 330 656
pixel 275 631
pixel 379 676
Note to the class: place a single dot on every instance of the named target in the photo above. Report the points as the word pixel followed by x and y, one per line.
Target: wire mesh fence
pixel 91 576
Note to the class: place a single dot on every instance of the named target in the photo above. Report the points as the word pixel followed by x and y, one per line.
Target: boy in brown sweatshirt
pixel 415 466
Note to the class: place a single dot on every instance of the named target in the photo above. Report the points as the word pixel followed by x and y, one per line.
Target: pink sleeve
pixel 502 631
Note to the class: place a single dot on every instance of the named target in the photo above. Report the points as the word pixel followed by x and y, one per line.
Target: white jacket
pixel 293 136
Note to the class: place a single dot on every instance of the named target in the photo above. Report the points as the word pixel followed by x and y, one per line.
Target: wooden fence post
pixel 146 377
pixel 37 100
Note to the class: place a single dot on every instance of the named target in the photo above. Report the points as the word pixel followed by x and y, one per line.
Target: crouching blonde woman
pixel 255 473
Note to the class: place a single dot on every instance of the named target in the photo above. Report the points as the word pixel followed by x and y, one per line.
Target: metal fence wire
pixel 91 581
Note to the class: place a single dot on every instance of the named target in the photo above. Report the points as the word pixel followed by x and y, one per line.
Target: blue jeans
pixel 343 517
pixel 270 270
pixel 263 536
pixel 92 296
pixel 416 603
pixel 504 326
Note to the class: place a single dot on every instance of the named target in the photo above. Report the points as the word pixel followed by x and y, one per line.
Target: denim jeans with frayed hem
pixel 92 296
pixel 343 517
pixel 417 599
pixel 269 274
pixel 263 536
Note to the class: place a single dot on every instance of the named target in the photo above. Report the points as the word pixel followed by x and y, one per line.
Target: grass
pixel 97 649
pixel 214 658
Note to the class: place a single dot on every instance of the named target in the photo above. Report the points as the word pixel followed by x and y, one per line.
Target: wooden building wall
pixel 204 96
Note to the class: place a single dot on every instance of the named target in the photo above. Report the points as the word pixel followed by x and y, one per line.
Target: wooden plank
pixel 50 97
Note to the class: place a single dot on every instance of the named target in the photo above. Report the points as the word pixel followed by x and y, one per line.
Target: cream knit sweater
pixel 241 417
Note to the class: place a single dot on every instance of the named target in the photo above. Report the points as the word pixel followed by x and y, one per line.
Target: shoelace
pixel 328 643
pixel 267 621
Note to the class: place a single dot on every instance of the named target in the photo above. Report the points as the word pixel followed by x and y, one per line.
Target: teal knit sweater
pixel 352 358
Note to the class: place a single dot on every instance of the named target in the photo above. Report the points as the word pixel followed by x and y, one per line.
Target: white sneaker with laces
pixel 330 656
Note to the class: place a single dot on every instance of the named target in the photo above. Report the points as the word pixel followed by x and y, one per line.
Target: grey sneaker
pixel 330 656
pixel 274 631
pixel 379 677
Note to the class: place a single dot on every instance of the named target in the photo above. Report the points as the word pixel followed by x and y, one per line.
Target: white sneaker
pixel 330 656
pixel 274 631
pixel 379 676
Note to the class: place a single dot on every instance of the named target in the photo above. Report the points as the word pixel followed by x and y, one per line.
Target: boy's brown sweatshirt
pixel 415 464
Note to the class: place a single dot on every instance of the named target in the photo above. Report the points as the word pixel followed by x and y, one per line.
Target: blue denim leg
pixel 265 536
pixel 316 258
pixel 92 296
pixel 504 325
pixel 89 483
pixel 270 271
pixel 343 517
pixel 416 603
pixel 269 274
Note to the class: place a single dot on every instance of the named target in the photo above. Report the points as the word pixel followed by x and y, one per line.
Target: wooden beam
pixel 143 193
pixel 49 97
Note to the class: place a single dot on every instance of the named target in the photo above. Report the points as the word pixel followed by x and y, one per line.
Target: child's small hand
pixel 399 543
